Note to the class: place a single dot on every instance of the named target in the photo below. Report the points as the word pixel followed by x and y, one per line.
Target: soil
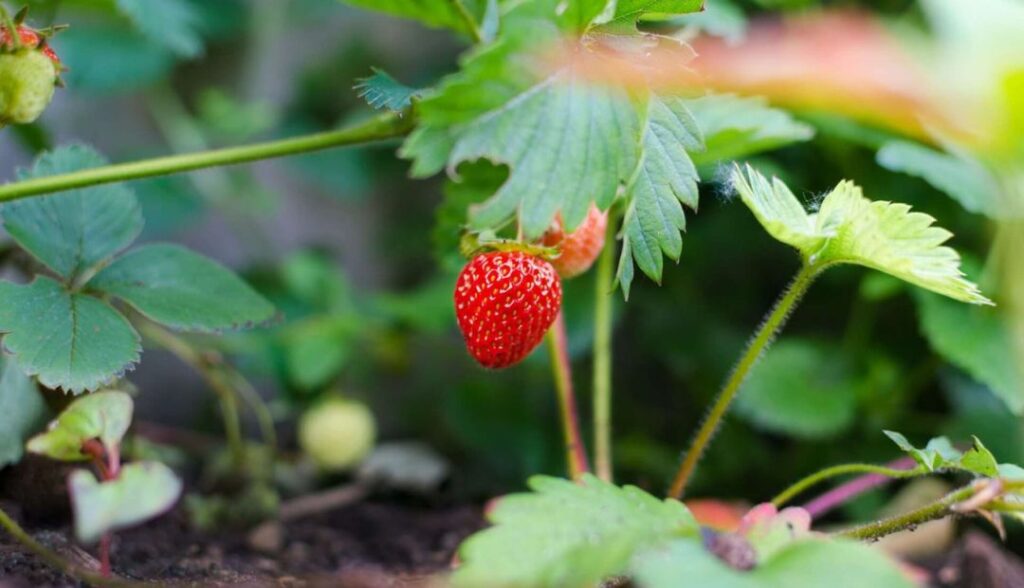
pixel 373 543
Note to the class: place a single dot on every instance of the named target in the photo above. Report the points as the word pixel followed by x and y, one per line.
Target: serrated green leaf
pixel 568 144
pixel 665 180
pixel 849 228
pixel 142 491
pixel 72 232
pixel 632 11
pixel 976 340
pixel 565 534
pixel 23 410
pixel 433 13
pixel 964 179
pixel 70 341
pixel 173 24
pixel 182 289
pixel 104 415
pixel 736 127
pixel 800 389
pixel 802 564
pixel 380 90
pixel 940 455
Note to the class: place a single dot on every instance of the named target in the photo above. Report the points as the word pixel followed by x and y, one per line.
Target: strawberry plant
pixel 575 141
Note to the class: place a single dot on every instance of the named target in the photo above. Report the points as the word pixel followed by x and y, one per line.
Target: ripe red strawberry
pixel 578 249
pixel 504 302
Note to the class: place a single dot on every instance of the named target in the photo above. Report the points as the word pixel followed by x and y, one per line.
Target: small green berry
pixel 337 433
pixel 27 82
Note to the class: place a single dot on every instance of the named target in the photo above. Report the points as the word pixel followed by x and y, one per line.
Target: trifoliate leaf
pixel 849 228
pixel 566 534
pixel 685 563
pixel 735 127
pixel 104 415
pixel 962 178
pixel 72 232
pixel 940 455
pixel 142 491
pixel 800 389
pixel 71 341
pixel 976 340
pixel 172 24
pixel 665 180
pixel 381 91
pixel 182 289
pixel 434 13
pixel 23 410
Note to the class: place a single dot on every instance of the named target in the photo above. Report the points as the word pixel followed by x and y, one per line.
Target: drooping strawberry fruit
pixel 29 71
pixel 505 301
pixel 578 249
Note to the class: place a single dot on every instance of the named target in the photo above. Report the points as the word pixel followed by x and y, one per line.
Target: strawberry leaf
pixel 631 11
pixel 849 228
pixel 433 13
pixel 143 490
pixel 568 534
pixel 67 340
pixel 940 455
pixel 23 408
pixel 736 127
pixel 182 289
pixel 104 415
pixel 73 232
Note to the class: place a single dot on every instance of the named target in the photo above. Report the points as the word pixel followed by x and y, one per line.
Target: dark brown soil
pixel 373 543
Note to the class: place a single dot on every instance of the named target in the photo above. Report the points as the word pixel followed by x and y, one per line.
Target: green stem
pixel 471 26
pixel 936 510
pixel 842 470
pixel 381 127
pixel 576 453
pixel 764 337
pixel 603 291
pixel 55 560
pixel 215 378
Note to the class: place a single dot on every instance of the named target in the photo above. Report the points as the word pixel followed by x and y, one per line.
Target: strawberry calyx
pixel 28 37
pixel 474 244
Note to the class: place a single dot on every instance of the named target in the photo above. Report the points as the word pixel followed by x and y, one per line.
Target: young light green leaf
pixel 72 232
pixel 104 415
pixel 940 455
pixel 23 410
pixel 170 23
pixel 665 180
pixel 803 564
pixel 976 340
pixel 800 389
pixel 736 127
pixel 566 534
pixel 849 228
pixel 182 289
pixel 962 178
pixel 381 91
pixel 142 491
pixel 71 341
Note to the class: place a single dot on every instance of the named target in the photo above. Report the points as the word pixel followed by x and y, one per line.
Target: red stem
pixel 845 492
pixel 575 450
pixel 109 465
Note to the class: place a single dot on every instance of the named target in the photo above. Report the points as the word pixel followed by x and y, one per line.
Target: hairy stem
pixel 603 290
pixel 381 127
pixel 842 470
pixel 855 487
pixel 764 337
pixel 576 453
pixel 55 560
pixel 936 510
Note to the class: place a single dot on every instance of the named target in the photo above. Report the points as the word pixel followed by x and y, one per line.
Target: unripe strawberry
pixel 578 249
pixel 505 301
pixel 29 73
pixel 337 433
